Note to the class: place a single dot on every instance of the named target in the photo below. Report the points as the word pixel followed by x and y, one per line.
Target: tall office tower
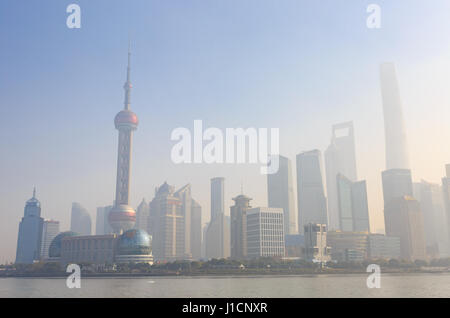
pixel 394 127
pixel 30 232
pixel 184 194
pixel 435 222
pixel 204 236
pixel 403 218
pixel 217 196
pixel 265 232
pixel 352 205
pixel 49 231
pixel 402 215
pixel 316 248
pixel 281 193
pixel 217 240
pixel 102 226
pixel 446 196
pixel 142 216
pixel 340 158
pixel 168 224
pixel 238 226
pixel 80 220
pixel 196 230
pixel 218 232
pixel 122 217
pixel 396 184
pixel 312 203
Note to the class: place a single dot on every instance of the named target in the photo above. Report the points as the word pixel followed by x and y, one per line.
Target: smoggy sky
pixel 297 65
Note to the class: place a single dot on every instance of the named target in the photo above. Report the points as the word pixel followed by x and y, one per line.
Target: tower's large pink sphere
pixel 126 118
pixel 122 218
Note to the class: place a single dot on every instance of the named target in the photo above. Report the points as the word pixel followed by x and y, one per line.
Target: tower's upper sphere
pixel 126 119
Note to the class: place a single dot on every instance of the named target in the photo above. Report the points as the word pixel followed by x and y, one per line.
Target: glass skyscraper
pixel 396 183
pixel 352 205
pixel 30 233
pixel 312 203
pixel 281 194
pixel 340 158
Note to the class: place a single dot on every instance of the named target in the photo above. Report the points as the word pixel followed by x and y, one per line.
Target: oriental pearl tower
pixel 122 216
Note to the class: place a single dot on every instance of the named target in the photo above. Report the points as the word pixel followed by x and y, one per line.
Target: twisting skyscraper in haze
pixel 394 126
pixel 402 214
pixel 122 217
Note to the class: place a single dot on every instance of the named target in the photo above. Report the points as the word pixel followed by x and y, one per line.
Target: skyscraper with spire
pixel 30 233
pixel 123 217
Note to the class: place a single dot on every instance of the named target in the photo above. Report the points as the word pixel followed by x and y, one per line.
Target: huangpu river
pixel 349 285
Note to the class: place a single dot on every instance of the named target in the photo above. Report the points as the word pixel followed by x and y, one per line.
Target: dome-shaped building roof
pixel 55 246
pixel 135 242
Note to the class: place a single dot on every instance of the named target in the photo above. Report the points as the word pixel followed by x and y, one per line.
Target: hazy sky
pixel 297 65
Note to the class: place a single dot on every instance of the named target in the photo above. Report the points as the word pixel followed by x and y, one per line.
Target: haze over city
pixel 293 65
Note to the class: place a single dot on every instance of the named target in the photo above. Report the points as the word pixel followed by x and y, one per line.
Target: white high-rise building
pixel 265 232
pixel 394 126
pixel 340 158
pixel 167 225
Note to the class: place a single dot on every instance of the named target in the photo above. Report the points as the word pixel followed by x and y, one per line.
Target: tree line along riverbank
pixel 227 267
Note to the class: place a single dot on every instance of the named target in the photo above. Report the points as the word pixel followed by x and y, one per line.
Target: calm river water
pixel 392 285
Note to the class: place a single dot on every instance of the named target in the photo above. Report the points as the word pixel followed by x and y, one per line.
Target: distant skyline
pixel 301 66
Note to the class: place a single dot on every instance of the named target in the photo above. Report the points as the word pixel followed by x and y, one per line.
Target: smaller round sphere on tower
pixel 126 119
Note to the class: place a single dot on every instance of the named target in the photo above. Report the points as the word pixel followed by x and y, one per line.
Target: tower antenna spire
pixel 34 192
pixel 128 85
